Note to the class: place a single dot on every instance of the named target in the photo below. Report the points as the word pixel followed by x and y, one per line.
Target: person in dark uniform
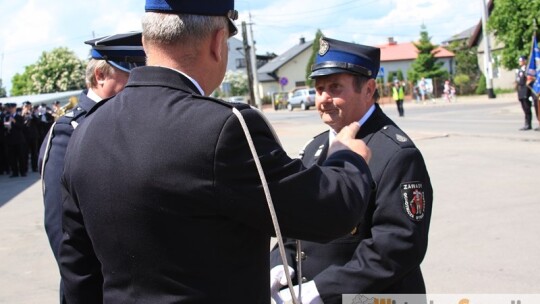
pixel 163 202
pixel 383 253
pixel 31 135
pixel 524 92
pixel 15 141
pixel 107 72
pixel 46 120
pixel 4 163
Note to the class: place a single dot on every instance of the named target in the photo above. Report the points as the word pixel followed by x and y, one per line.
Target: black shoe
pixel 14 175
pixel 525 128
pixel 537 129
pixel 23 175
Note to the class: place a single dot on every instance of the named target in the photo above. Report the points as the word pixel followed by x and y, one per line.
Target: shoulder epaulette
pixel 397 136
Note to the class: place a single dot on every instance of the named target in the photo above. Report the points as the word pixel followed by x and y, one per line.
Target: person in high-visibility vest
pixel 398 94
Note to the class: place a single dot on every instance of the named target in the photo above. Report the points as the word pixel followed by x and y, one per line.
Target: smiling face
pixel 341 102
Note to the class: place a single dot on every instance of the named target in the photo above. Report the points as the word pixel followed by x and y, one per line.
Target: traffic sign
pixel 381 72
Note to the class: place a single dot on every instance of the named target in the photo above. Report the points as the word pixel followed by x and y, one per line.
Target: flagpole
pixel 537 97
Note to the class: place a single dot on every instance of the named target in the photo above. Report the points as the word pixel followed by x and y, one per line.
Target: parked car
pixel 302 98
pixel 238 99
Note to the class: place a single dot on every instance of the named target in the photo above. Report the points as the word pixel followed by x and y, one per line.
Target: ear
pixel 217 45
pixel 100 76
pixel 370 86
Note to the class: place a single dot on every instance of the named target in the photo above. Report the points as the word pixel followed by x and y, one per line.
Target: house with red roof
pixel 400 56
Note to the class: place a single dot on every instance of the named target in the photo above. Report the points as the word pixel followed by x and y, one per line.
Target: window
pixel 240 63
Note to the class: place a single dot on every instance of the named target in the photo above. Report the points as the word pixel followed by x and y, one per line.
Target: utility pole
pixel 247 56
pixel 253 54
pixel 487 53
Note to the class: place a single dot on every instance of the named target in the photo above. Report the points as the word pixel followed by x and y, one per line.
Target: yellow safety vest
pixel 398 95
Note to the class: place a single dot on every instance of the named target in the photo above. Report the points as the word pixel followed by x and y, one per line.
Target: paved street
pixel 485 175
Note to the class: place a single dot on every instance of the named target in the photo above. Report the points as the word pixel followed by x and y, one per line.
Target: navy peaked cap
pixel 193 7
pixel 123 51
pixel 337 56
pixel 196 7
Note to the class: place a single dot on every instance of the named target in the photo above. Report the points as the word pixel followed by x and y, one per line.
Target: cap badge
pixel 323 48
pixel 414 203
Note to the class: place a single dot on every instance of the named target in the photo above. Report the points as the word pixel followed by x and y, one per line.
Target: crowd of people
pixel 21 133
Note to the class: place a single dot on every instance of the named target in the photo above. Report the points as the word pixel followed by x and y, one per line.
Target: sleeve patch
pixel 413 199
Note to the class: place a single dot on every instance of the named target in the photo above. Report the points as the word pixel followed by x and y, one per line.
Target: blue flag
pixel 534 66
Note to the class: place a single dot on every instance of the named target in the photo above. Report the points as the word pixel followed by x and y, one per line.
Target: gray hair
pixel 185 28
pixel 99 65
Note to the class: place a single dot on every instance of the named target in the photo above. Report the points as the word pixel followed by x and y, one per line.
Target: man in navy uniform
pixel 106 74
pixel 524 92
pixel 15 140
pixel 383 253
pixel 163 201
pixel 31 135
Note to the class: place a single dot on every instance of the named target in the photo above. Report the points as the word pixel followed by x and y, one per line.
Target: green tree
pixel 3 92
pixel 238 83
pixel 426 65
pixel 395 75
pixel 513 22
pixel 466 65
pixel 21 84
pixel 461 80
pixel 56 71
pixel 481 88
pixel 314 50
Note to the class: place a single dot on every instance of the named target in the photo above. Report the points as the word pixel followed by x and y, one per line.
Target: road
pixel 484 228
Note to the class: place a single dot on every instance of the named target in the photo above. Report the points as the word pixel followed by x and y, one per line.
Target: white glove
pixel 278 280
pixel 310 294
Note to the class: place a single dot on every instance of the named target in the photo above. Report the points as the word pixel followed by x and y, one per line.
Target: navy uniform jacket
pixel 51 164
pixel 165 205
pixel 383 254
pixel 15 135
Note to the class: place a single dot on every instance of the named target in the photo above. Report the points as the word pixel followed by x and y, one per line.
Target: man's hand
pixel 345 140
pixel 278 280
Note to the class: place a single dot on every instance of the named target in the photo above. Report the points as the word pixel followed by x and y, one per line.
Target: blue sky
pixel 29 27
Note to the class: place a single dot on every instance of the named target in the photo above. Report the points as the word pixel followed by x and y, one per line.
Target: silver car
pixel 302 98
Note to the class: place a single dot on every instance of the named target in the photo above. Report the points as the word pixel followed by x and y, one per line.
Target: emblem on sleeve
pixel 414 202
